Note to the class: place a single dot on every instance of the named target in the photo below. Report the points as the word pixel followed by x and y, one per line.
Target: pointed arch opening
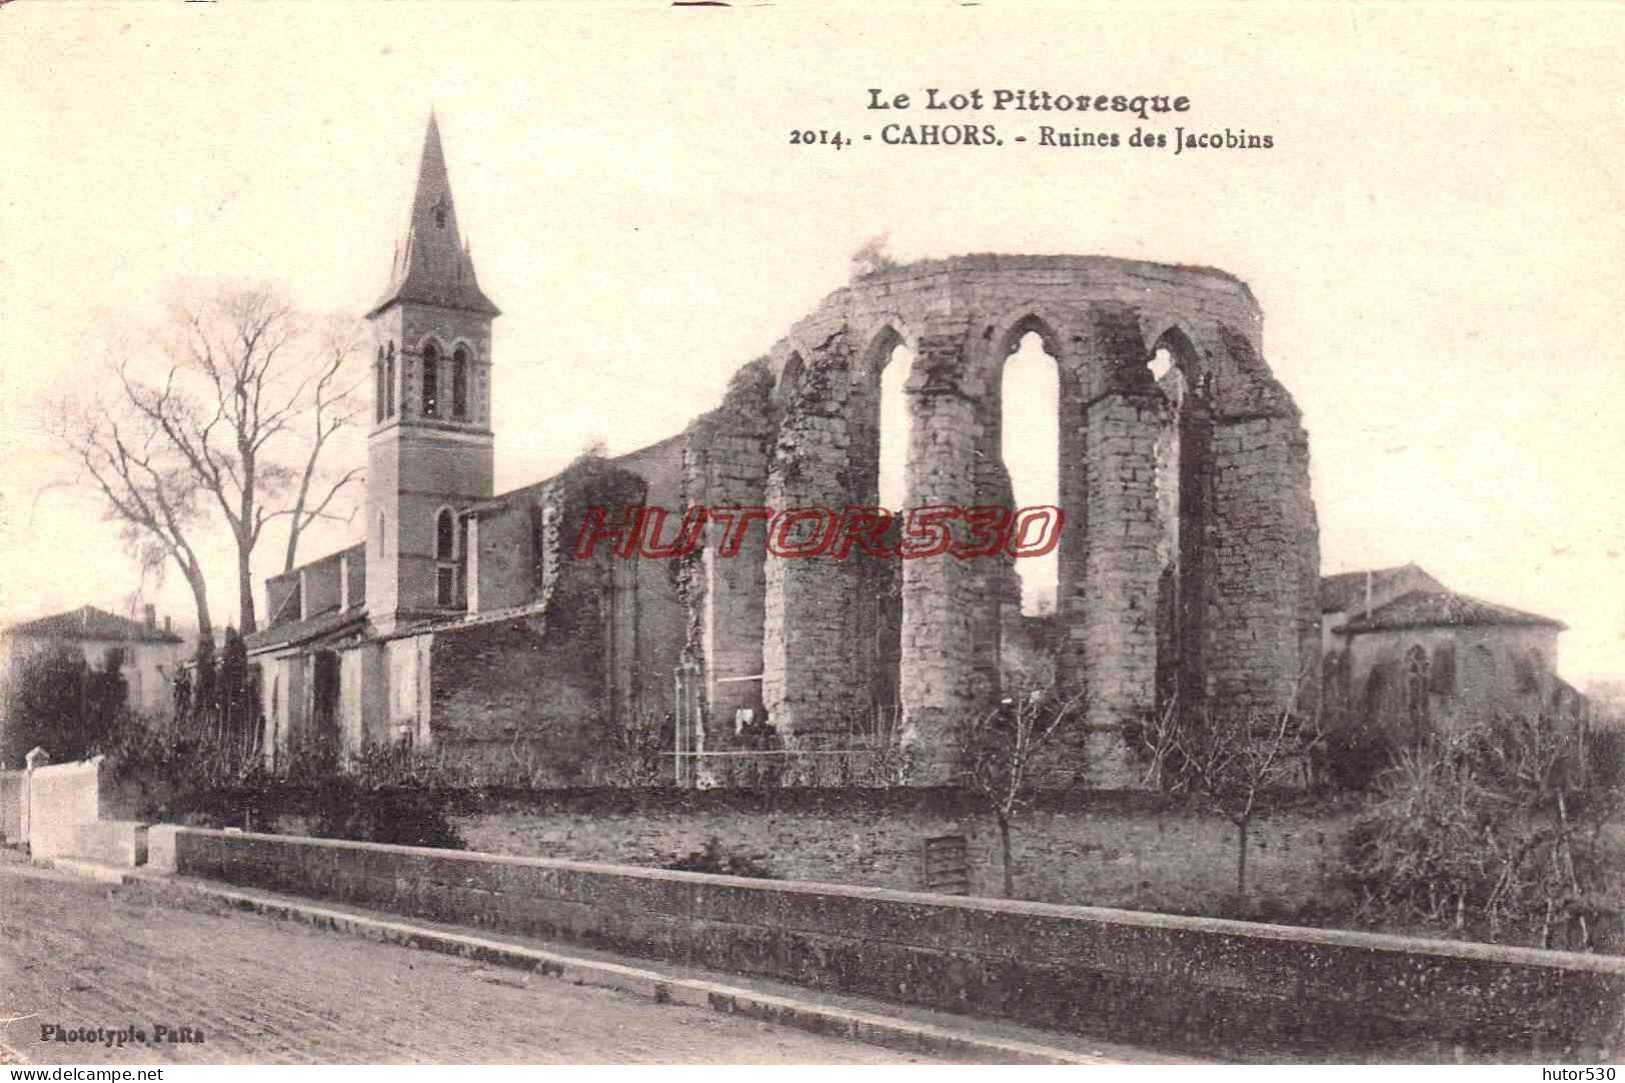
pixel 895 422
pixel 389 381
pixel 431 380
pixel 1177 457
pixel 889 365
pixel 378 395
pixel 447 580
pixel 1029 446
pixel 459 383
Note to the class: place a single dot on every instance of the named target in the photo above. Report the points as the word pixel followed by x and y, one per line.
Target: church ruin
pixel 1188 562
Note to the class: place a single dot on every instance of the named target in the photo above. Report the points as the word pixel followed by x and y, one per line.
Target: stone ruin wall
pixel 1238 625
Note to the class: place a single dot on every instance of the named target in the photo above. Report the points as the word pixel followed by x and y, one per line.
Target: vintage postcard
pixel 703 533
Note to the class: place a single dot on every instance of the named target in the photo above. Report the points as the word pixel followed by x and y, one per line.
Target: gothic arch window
pixel 378 399
pixel 1028 444
pixel 431 380
pixel 1443 676
pixel 389 381
pixel 459 383
pixel 445 536
pixel 445 555
pixel 1417 681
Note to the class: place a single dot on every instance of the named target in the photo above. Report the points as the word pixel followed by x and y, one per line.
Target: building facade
pixel 1423 658
pixel 149 654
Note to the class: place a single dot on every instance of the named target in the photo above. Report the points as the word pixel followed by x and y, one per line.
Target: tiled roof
pixel 88 622
pixel 320 626
pixel 1441 608
pixel 1346 591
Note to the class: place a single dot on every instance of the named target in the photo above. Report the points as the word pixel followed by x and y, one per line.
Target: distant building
pixel 1418 655
pixel 151 654
pixel 1350 593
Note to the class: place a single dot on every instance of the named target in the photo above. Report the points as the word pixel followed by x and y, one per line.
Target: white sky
pixel 1435 239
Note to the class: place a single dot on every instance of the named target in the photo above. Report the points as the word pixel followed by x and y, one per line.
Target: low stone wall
pixel 13 785
pixel 1166 856
pixel 1218 987
pixel 60 799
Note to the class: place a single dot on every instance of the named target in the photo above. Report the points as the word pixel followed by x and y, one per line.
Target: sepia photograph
pixel 644 533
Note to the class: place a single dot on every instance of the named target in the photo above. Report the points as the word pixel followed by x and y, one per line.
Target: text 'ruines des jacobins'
pixel 1090 113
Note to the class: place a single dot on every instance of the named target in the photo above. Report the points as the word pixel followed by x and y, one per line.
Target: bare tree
pixel 147 488
pixel 246 376
pixel 1234 760
pixel 334 405
pixel 1004 752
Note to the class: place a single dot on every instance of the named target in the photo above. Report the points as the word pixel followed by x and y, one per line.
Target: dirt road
pixel 82 955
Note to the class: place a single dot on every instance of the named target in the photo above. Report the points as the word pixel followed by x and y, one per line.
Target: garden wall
pixel 1218 987
pixel 1124 850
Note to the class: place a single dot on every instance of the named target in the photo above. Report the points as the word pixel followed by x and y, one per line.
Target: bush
pixel 1485 824
pixel 395 816
pixel 1356 754
pixel 58 702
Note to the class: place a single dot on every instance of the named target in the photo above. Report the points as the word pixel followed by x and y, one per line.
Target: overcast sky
pixel 1434 238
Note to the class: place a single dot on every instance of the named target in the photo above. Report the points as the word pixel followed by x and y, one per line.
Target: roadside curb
pixel 892 1033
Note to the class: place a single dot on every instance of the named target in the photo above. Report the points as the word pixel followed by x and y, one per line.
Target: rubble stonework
pixel 1243 610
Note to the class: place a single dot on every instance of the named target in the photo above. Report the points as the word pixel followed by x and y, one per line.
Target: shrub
pixel 1497 821
pixel 1356 753
pixel 396 816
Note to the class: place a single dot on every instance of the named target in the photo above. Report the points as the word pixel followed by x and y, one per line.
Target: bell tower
pixel 430 450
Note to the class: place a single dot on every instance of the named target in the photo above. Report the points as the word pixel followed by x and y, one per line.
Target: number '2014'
pixel 808 137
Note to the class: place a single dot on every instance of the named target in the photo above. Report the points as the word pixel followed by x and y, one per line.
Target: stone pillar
pixel 725 466
pixel 1121 571
pixel 1256 640
pixel 1071 599
pixel 938 674
pixel 732 587
pixel 810 682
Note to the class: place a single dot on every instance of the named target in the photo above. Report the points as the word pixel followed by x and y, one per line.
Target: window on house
pixel 1417 680
pixel 459 383
pixel 431 381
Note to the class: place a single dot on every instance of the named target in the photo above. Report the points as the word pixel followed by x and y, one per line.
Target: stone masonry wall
pixel 1248 544
pixel 1215 987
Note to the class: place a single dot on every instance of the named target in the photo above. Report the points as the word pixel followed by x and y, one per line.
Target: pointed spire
pixel 433 266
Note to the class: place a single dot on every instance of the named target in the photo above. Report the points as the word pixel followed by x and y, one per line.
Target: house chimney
pixel 152 617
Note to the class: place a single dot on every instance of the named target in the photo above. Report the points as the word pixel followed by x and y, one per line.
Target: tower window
pixel 459 383
pixel 389 382
pixel 431 381
pixel 445 537
pixel 445 552
pixel 378 399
